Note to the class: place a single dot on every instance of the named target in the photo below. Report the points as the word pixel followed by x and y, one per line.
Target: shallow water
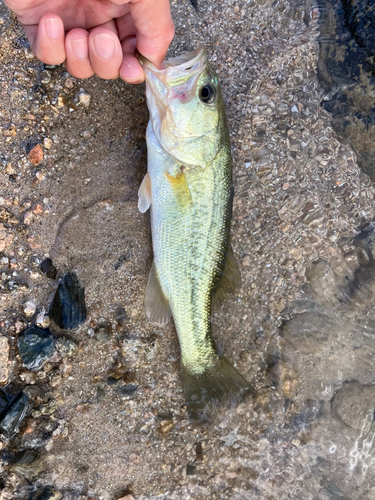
pixel 108 418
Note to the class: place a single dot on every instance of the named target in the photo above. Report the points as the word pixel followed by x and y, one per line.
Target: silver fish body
pixel 188 188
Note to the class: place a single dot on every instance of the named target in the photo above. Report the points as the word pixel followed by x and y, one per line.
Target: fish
pixel 189 190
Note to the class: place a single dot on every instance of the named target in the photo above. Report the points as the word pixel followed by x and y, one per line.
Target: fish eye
pixel 207 94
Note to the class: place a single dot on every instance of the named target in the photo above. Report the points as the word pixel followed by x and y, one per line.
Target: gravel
pixel 77 154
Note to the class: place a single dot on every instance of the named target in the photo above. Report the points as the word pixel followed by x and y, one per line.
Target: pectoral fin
pixel 229 282
pixel 144 194
pixel 180 188
pixel 157 306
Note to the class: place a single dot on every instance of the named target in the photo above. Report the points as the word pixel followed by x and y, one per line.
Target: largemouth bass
pixel 188 188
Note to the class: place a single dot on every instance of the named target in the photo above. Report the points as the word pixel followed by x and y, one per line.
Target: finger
pixel 155 29
pixel 105 51
pixel 77 53
pixel 125 26
pixel 47 39
pixel 131 71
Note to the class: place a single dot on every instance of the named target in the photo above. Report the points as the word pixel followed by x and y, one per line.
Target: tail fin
pixel 220 385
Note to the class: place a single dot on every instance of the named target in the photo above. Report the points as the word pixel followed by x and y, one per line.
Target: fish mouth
pixel 176 70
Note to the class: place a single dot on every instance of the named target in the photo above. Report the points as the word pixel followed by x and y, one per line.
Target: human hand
pixel 97 36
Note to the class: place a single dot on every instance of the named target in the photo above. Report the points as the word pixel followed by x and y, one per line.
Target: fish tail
pixel 219 385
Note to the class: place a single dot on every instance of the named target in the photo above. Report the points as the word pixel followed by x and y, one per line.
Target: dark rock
pixel 26 463
pixel 36 346
pixel 121 316
pixel 311 410
pixel 48 269
pixel 68 309
pixel 194 3
pixel 347 28
pixel 10 423
pixel 129 390
pixel 199 450
pixel 353 404
pixel 112 380
pixel 191 470
pixel 47 493
pixel 360 20
pixel 165 415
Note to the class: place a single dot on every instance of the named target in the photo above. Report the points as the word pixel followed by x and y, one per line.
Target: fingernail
pixel 104 46
pixel 52 28
pixel 131 71
pixel 80 48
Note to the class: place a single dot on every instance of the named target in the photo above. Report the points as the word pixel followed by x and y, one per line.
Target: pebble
pixel 47 143
pixel 42 319
pixel 29 308
pixel 36 346
pixel 121 316
pixel 68 309
pixel 45 76
pixel 27 463
pixel 6 237
pixel 4 359
pixel 84 99
pixel 28 217
pixel 65 346
pixel 9 425
pixel 47 494
pixel 36 155
pixel 69 84
pixel 48 268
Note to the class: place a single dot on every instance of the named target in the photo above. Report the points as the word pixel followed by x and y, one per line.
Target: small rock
pixel 10 169
pixel 42 319
pixel 68 309
pixel 26 463
pixel 36 155
pixel 127 497
pixel 6 237
pixel 4 357
pixel 40 176
pixel 36 346
pixel 28 217
pixel 47 494
pixel 121 316
pixel 102 332
pixel 65 346
pixel 69 84
pixel 38 209
pixel 47 143
pixel 48 268
pixel 9 425
pixel 45 76
pixel 86 134
pixel 191 470
pixel 28 377
pixel 84 99
pixel 129 390
pixel 29 308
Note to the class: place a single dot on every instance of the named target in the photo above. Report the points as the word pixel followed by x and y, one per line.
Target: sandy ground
pixel 108 418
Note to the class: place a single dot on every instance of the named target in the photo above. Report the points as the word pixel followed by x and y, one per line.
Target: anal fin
pixel 157 306
pixel 144 194
pixel 230 280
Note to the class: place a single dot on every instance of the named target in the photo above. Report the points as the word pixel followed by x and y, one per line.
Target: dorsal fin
pixel 157 306
pixel 229 282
